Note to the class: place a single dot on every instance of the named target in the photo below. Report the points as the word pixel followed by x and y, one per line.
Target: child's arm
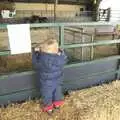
pixel 61 60
pixel 63 55
pixel 35 56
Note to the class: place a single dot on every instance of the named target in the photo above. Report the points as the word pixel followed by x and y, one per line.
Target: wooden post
pixel 92 48
pixel 55 8
pixel 46 9
pixel 82 49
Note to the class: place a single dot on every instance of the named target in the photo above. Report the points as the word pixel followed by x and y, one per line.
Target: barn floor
pixel 95 103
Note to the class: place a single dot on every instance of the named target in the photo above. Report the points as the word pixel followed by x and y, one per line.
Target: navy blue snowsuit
pixel 50 71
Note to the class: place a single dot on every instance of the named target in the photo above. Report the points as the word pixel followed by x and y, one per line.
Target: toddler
pixel 49 61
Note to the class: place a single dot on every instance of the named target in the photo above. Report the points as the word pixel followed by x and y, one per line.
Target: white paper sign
pixel 19 38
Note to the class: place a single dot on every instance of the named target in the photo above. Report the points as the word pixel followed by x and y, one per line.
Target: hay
pixel 96 103
pixel 15 63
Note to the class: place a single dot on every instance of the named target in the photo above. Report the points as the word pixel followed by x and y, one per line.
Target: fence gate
pixel 104 14
pixel 80 72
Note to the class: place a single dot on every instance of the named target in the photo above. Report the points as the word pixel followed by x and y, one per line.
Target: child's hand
pixel 60 50
pixel 59 53
pixel 36 49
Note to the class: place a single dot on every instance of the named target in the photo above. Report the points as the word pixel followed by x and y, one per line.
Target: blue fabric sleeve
pixel 35 60
pixel 62 59
pixel 65 57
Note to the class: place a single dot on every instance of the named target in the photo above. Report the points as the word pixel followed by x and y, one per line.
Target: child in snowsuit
pixel 49 61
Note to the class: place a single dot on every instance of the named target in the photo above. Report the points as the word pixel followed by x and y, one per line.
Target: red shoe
pixel 48 109
pixel 57 104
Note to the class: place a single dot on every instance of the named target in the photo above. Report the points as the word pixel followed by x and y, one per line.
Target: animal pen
pixel 84 68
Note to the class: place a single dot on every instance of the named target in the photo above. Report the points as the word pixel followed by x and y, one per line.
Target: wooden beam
pixel 52 1
pixel 55 9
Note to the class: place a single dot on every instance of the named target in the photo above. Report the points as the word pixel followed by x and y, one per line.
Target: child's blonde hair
pixel 50 46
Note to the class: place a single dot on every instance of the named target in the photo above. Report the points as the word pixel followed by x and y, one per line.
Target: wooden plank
pixel 77 30
pixel 105 30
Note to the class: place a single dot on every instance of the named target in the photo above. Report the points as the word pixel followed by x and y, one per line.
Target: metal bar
pixel 95 74
pixel 61 31
pixel 2 53
pixel 74 24
pixel 77 31
pixel 3 26
pixel 106 42
pixel 16 92
pixel 118 68
pixel 92 48
pixel 16 74
pixel 82 49
pixel 88 76
pixel 73 41
pixel 118 63
pixel 93 62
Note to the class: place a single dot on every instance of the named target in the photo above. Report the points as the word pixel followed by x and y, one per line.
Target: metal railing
pixel 62 28
pixel 93 72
